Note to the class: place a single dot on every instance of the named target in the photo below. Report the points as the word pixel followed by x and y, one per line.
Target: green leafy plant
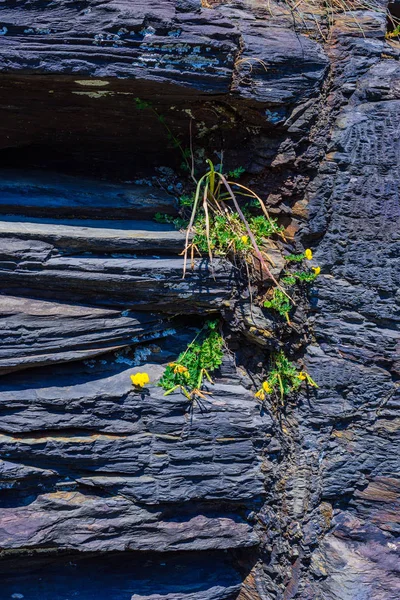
pixel 279 302
pixel 220 227
pixel 201 358
pixel 236 173
pixel 186 201
pixel 217 224
pixel 228 233
pixel 283 379
pixel 393 34
pixel 164 219
pixel 305 276
pixel 307 254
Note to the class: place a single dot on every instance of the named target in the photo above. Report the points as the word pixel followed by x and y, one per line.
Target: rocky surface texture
pixel 108 493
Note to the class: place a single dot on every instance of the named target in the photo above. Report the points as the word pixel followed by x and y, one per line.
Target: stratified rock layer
pixel 110 493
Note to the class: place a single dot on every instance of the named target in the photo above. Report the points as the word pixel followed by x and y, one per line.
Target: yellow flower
pixel 260 394
pixel 308 254
pixel 267 388
pixel 177 368
pixel 317 270
pixel 302 376
pixel 140 379
pixel 244 239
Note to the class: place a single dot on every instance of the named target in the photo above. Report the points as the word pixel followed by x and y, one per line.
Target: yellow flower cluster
pixel 308 254
pixel 177 368
pixel 260 394
pixel 302 376
pixel 317 270
pixel 244 239
pixel 140 379
pixel 265 389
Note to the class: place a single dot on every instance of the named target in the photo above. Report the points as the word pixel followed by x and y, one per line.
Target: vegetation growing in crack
pixel 220 218
pixel 221 227
pixel 393 34
pixel 174 141
pixel 196 364
pixel 214 220
pixel 282 303
pixel 283 379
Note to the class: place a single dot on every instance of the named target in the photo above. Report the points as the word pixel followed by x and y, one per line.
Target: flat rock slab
pixel 215 76
pixel 83 521
pixel 150 282
pixel 96 235
pixel 53 194
pixel 37 332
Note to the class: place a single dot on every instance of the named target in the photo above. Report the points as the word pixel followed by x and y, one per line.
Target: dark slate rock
pixel 349 427
pixel 37 332
pixel 357 559
pixel 149 282
pixel 156 42
pixel 122 576
pixel 220 74
pixel 155 450
pixel 89 466
pixel 54 195
pixel 89 235
pixel 65 520
pixel 127 461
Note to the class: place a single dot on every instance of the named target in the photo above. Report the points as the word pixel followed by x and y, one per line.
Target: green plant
pixel 294 257
pixel 219 225
pixel 305 276
pixel 228 233
pixel 307 254
pixel 393 34
pixel 186 201
pixel 203 356
pixel 289 279
pixel 177 222
pixel 279 302
pixel 236 173
pixel 283 379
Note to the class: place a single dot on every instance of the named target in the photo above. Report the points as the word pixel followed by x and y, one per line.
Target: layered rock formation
pixel 107 493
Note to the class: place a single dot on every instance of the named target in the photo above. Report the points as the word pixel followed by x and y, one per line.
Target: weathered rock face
pixel 86 62
pixel 107 493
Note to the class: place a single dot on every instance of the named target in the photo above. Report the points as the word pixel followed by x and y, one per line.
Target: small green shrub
pixel 393 34
pixel 220 227
pixel 236 173
pixel 228 234
pixel 283 379
pixel 201 358
pixel 279 302
pixel 306 255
